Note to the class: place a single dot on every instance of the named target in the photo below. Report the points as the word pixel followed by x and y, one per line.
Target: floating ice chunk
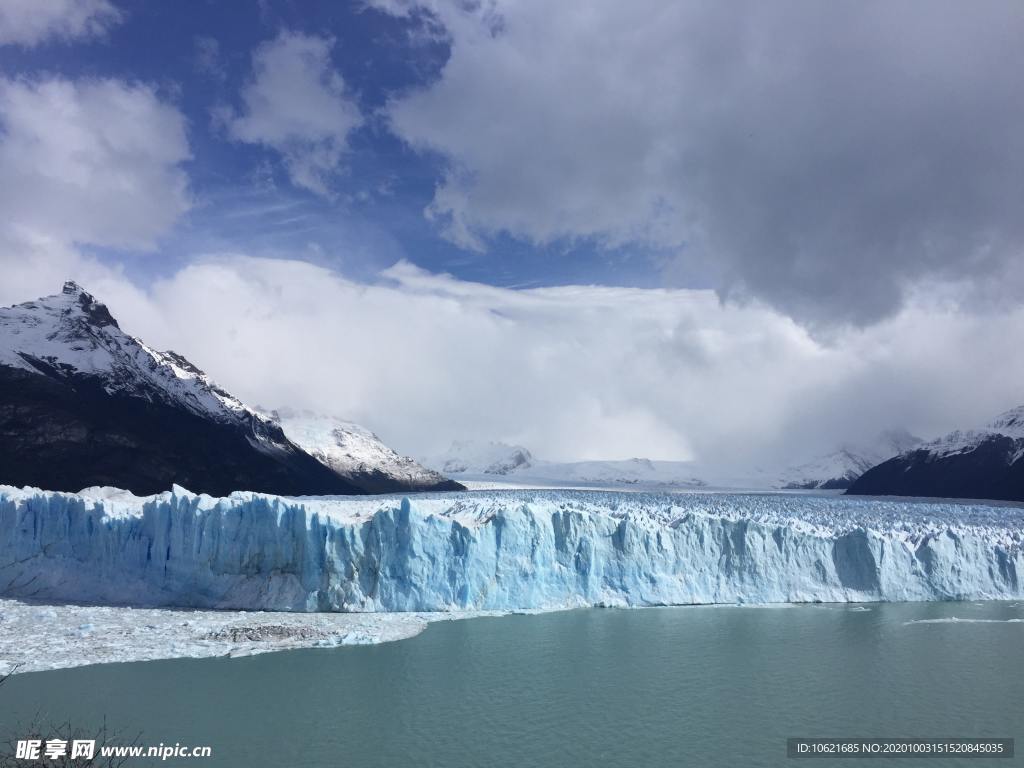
pixel 955 620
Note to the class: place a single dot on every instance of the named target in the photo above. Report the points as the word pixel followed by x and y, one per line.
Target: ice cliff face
pixel 500 551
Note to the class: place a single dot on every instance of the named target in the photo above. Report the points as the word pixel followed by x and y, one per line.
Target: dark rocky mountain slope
pixel 985 463
pixel 83 403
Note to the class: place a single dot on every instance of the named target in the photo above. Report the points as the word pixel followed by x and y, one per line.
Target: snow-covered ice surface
pixel 34 637
pixel 500 550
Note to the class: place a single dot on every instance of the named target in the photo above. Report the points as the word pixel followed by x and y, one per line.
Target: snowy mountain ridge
pixel 980 463
pixel 354 451
pixel 71 333
pixel 840 468
pixel 1007 424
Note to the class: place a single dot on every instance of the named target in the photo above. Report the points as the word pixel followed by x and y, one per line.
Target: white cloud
pixel 571 372
pixel 824 157
pixel 83 163
pixel 296 104
pixel 94 161
pixel 30 22
pixel 38 266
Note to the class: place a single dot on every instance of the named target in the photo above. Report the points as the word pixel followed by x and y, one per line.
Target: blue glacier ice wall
pixel 497 552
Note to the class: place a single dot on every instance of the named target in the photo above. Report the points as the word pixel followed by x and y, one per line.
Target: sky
pixel 743 233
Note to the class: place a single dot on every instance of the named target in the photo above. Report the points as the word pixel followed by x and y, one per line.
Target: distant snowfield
pixel 530 482
pixel 500 465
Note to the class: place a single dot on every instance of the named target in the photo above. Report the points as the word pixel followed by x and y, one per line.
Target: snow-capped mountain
pixel 1009 424
pixel 83 403
pixel 841 467
pixel 983 463
pixel 468 457
pixel 72 336
pixel 357 454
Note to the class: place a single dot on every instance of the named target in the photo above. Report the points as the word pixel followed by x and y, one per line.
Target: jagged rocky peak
pixel 94 311
pixel 72 336
pixel 182 362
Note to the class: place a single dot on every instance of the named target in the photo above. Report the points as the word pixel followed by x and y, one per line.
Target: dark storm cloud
pixel 822 156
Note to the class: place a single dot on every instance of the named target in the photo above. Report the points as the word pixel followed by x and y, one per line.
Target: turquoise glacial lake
pixel 689 686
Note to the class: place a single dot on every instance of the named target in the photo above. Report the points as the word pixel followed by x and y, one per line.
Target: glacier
pixel 499 550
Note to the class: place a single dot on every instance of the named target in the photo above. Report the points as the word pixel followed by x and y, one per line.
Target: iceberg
pixel 498 550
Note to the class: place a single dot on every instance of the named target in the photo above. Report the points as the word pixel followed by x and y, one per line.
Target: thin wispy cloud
pixel 32 22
